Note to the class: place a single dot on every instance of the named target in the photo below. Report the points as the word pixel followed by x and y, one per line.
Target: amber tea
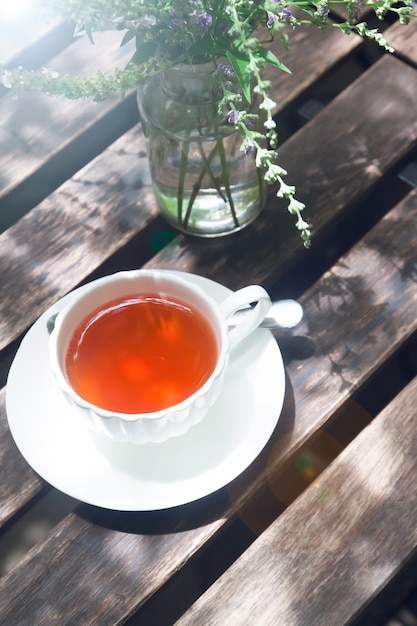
pixel 141 354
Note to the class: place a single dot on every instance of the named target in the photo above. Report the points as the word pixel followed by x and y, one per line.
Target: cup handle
pixel 243 298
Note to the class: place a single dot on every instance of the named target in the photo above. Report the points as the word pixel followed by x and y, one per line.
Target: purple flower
pixel 225 70
pixel 233 116
pixel 271 20
pixel 285 14
pixel 251 122
pixel 200 19
pixel 249 148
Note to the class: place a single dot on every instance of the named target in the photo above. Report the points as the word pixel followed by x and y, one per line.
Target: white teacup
pixel 118 294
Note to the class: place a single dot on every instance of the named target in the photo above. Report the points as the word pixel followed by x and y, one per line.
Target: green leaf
pixel 270 58
pixel 128 36
pixel 308 11
pixel 207 45
pixel 240 64
pixel 89 34
pixel 80 30
pixel 144 51
pixel 50 324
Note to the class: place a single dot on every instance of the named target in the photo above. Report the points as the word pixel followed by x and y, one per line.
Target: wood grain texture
pixel 115 571
pixel 35 127
pixel 338 545
pixel 355 318
pixel 75 229
pixel 104 206
pixel 99 567
pixel 333 161
pixel 19 482
pixel 308 59
pixel 404 39
pixel 353 324
pixel 72 232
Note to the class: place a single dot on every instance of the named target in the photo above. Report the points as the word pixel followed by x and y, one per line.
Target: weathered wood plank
pixel 335 548
pixel 72 232
pixel 404 39
pixel 355 318
pixel 19 483
pixel 86 220
pixel 117 570
pixel 51 253
pixel 127 565
pixel 55 260
pixel 308 60
pixel 34 127
pixel 355 152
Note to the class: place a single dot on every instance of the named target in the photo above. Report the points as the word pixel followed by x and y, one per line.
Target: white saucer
pixel 127 477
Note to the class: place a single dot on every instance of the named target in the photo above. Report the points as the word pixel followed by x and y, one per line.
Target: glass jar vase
pixel 204 183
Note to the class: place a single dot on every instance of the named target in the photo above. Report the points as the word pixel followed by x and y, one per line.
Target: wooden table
pixel 319 527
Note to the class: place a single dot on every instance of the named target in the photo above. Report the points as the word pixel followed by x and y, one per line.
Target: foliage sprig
pixel 168 32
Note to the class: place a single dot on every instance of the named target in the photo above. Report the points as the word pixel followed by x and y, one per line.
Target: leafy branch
pixel 168 32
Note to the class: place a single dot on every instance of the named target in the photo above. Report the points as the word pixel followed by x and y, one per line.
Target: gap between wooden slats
pixel 37 139
pixel 36 128
pixel 334 549
pixel 167 259
pixel 19 483
pixel 115 193
pixel 144 556
pixel 404 39
pixel 334 161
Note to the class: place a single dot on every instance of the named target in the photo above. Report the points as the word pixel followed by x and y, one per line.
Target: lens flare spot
pixel 304 463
